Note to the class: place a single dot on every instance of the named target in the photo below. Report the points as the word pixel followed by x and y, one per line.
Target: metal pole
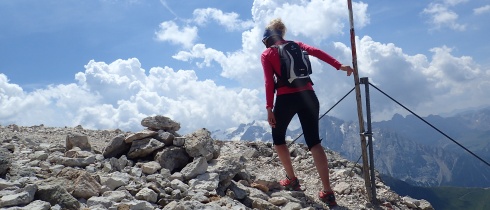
pixel 365 166
pixel 369 134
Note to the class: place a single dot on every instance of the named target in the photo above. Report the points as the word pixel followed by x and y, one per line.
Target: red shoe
pixel 291 184
pixel 328 198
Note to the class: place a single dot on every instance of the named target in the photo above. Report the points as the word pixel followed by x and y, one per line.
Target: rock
pixel 147 194
pixel 227 168
pixel 160 123
pixel 144 147
pixel 199 144
pixel 261 187
pixel 115 180
pixel 5 161
pixel 292 206
pixel 20 197
pixel 57 195
pixel 179 141
pixel 85 186
pixel 278 201
pixel 99 201
pixel 116 147
pixel 207 181
pixel 7 184
pixel 195 168
pixel 77 140
pixel 118 164
pixel 78 162
pixel 425 205
pixel 140 135
pixel 39 155
pixel 38 205
pixel 76 152
pixel 239 191
pixel 150 167
pixel 166 137
pixel 138 204
pixel 342 188
pixel 262 204
pixel 172 158
pixel 116 196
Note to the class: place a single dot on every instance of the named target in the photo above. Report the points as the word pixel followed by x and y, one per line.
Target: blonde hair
pixel 277 25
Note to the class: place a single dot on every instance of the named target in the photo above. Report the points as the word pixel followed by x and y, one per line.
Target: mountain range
pixel 405 147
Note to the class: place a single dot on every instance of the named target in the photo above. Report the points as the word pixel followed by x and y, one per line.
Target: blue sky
pixel 107 64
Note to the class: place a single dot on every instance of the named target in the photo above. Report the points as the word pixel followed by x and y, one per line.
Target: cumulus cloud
pixel 316 19
pixel 171 32
pixel 230 20
pixel 427 85
pixel 441 16
pixel 200 51
pixel 120 94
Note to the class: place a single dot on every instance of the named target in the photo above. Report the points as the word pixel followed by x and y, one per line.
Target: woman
pixel 291 101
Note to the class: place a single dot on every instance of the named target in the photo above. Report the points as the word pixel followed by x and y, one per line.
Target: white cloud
pixel 171 32
pixel 439 84
pixel 316 19
pixel 230 21
pixel 120 95
pixel 55 105
pixel 482 10
pixel 441 16
pixel 200 51
pixel 395 72
pixel 452 69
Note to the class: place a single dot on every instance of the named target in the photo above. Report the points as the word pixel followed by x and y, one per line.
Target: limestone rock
pixel 77 140
pixel 20 197
pixel 116 147
pixel 160 122
pixel 144 147
pixel 57 195
pixel 200 143
pixel 5 161
pixel 167 171
pixel 140 135
pixel 172 158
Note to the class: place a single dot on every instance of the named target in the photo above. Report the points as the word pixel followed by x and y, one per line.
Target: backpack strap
pixel 278 82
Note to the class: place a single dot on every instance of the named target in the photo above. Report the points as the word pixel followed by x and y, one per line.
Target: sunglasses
pixel 265 40
pixel 268 34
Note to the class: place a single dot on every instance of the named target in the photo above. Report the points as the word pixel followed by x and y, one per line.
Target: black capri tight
pixel 306 105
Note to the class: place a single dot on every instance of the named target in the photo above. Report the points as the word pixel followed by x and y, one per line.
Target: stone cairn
pixel 157 168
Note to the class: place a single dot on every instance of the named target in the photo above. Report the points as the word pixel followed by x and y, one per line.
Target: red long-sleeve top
pixel 272 65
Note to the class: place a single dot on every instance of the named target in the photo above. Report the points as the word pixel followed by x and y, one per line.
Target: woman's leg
pixel 284 112
pixel 321 163
pixel 283 153
pixel 308 116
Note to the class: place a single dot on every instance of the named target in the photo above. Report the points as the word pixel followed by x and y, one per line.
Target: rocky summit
pixel 157 168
